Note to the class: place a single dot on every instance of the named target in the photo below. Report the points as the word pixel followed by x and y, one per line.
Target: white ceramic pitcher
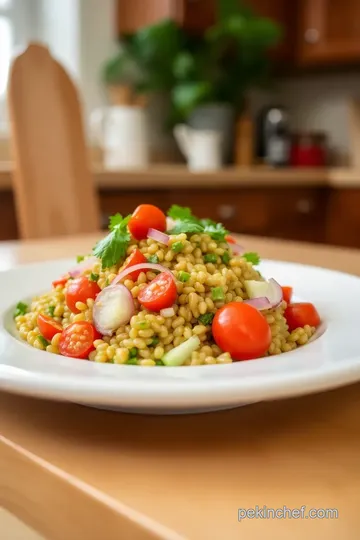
pixel 202 148
pixel 122 133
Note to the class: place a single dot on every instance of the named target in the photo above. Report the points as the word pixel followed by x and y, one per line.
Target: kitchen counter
pixel 165 176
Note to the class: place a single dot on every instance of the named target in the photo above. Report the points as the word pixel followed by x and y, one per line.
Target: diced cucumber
pixel 179 355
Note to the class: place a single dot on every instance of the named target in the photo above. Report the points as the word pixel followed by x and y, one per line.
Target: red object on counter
pixel 308 150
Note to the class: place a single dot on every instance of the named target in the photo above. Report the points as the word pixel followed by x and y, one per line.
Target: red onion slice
pixel 167 312
pixel 143 267
pixel 236 249
pixel 113 307
pixel 260 303
pixel 81 267
pixel 270 290
pixel 158 236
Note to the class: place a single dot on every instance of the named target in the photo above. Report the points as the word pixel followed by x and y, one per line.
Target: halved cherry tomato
pixel 159 294
pixel 135 258
pixel 230 240
pixel 48 327
pixel 145 217
pixel 61 281
pixel 242 331
pixel 287 294
pixel 77 340
pixel 79 290
pixel 300 314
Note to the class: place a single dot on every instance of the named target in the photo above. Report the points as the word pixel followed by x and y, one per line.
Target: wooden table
pixel 74 473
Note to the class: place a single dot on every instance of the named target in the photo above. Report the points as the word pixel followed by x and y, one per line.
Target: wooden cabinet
pixel 329 32
pixel 343 218
pixel 193 15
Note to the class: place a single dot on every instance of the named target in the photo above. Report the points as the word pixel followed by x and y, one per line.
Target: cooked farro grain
pixel 196 262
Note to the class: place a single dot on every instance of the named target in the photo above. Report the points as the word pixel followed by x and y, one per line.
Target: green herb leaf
pixel 181 212
pixel 177 247
pixel 131 361
pixel 51 310
pixel 133 352
pixel 187 227
pixel 155 341
pixel 217 231
pixel 113 247
pixel 43 340
pixel 143 325
pixel 21 309
pixel 183 276
pixel 206 319
pixel 252 258
pixel 94 277
pixel 80 258
pixel 154 259
pixel 217 293
pixel 210 258
pixel 226 257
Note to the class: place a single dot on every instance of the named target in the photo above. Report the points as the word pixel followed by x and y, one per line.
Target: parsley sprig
pixel 252 257
pixel 186 222
pixel 113 247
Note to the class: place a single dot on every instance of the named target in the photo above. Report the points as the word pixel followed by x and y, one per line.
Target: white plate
pixel 331 360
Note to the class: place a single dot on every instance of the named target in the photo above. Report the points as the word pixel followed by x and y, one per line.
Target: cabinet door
pixel 285 13
pixel 330 32
pixel 134 14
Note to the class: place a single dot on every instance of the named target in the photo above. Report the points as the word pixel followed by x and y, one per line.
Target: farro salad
pixel 166 291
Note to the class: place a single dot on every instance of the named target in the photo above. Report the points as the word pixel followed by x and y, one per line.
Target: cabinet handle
pixel 312 36
pixel 304 206
pixel 226 211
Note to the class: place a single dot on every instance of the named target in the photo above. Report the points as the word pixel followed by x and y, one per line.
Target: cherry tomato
pixel 287 294
pixel 79 290
pixel 48 327
pixel 160 293
pixel 61 281
pixel 242 331
pixel 230 240
pixel 77 340
pixel 145 217
pixel 135 258
pixel 300 314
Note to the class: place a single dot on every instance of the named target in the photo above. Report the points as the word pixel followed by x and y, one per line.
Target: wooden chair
pixel 53 186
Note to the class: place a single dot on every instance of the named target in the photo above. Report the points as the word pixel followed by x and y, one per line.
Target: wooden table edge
pixel 37 481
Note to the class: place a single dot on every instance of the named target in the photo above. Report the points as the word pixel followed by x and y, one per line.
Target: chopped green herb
pixel 107 282
pixel 21 309
pixel 51 311
pixel 206 319
pixel 251 257
pixel 159 363
pixel 80 258
pixel 94 277
pixel 183 276
pixel 113 247
pixel 42 340
pixel 226 257
pixel 154 259
pixel 155 341
pixel 217 293
pixel 210 258
pixel 177 247
pixel 186 222
pixel 133 352
pixel 132 361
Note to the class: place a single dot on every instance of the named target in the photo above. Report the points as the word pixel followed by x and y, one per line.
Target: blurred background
pixel 247 111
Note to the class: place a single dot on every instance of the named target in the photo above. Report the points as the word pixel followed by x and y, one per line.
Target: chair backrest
pixel 54 189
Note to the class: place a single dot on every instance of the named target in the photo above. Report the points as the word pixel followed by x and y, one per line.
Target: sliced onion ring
pixel 141 266
pixel 113 307
pixel 260 303
pixel 158 236
pixel 81 267
pixel 269 290
pixel 236 249
pixel 167 312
